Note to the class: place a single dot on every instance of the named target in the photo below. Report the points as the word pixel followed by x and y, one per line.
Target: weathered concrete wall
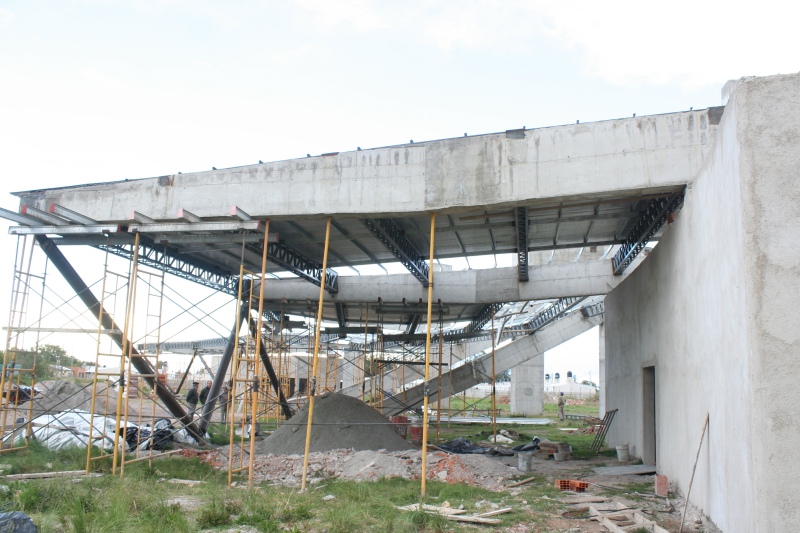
pixel 644 154
pixel 527 387
pixel 712 309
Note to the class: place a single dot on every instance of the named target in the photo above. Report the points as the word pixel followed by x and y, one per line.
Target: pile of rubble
pixel 368 465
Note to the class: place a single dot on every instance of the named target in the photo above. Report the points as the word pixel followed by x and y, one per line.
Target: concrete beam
pixel 612 158
pixel 478 370
pixel 485 286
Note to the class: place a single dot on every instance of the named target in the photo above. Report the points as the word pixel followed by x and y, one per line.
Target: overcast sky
pixel 105 90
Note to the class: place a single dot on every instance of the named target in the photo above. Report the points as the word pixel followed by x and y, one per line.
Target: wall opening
pixel 649 415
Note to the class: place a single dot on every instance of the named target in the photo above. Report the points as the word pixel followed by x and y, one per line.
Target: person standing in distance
pixel 561 403
pixel 204 393
pixel 191 398
pixel 223 404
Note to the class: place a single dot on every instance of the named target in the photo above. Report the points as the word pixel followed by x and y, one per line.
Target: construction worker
pixel 561 402
pixel 223 404
pixel 191 398
pixel 204 393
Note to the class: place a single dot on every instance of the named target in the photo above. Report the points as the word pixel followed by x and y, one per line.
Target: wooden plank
pixel 587 499
pixel 444 511
pixel 611 526
pixel 46 475
pixel 496 512
pixel 519 483
pixel 474 519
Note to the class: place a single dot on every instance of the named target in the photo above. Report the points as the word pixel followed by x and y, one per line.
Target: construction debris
pixel 369 465
pixel 456 514
pixel 618 516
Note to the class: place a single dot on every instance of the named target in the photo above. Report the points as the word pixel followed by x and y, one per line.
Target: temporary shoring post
pixel 126 347
pixel 364 362
pixel 439 379
pixel 235 373
pixel 450 376
pixel 494 392
pixel 254 407
pixel 317 328
pixel 427 364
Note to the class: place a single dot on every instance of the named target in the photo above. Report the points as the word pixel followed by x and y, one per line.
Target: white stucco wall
pixel 713 308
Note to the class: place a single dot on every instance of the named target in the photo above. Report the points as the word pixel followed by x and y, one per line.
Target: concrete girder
pixel 637 155
pixel 480 287
pixel 478 370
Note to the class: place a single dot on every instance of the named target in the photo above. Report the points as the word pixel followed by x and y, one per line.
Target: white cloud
pixel 6 17
pixel 689 44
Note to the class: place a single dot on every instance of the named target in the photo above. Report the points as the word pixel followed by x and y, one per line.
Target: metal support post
pixel 315 360
pixel 427 364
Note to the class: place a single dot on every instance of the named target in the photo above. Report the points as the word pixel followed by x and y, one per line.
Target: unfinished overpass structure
pixel 704 325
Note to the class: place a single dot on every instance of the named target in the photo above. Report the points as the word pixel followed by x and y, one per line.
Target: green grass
pixel 142 503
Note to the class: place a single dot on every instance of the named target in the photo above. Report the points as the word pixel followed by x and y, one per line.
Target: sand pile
pixel 62 395
pixel 339 422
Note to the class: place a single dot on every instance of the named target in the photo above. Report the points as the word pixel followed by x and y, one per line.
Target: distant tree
pixel 503 377
pixel 587 382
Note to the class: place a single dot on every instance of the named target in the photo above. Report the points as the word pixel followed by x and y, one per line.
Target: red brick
pixel 562 484
pixel 662 486
pixel 578 486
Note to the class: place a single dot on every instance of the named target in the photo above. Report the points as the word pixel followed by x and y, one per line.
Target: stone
pixel 17 522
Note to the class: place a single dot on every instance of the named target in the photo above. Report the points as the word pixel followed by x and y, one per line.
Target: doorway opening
pixel 649 415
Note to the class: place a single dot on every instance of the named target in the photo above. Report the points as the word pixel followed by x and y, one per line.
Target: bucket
pixel 561 456
pixel 622 453
pixel 416 431
pixel 401 423
pixel 524 460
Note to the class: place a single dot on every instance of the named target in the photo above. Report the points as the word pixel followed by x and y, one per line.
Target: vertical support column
pixel 427 363
pixel 602 380
pixel 315 360
pixel 494 391
pixel 527 387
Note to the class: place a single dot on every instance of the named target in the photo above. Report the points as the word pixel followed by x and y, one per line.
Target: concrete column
pixel 527 387
pixel 602 381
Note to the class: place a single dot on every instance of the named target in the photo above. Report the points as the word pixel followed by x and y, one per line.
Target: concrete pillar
pixel 527 387
pixel 602 381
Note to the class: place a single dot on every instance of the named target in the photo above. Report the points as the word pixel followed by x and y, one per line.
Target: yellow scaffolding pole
pixel 427 363
pixel 318 325
pixel 254 407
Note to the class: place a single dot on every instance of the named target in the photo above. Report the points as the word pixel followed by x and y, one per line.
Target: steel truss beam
pixel 521 215
pixel 299 264
pixel 386 231
pixel 165 258
pixel 341 317
pixel 650 221
pixel 552 313
pixel 482 317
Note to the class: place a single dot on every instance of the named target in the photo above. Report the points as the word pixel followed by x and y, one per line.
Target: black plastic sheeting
pixel 464 446
pixel 534 445
pixel 160 439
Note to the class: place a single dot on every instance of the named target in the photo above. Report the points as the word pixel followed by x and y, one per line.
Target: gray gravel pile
pixel 339 422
